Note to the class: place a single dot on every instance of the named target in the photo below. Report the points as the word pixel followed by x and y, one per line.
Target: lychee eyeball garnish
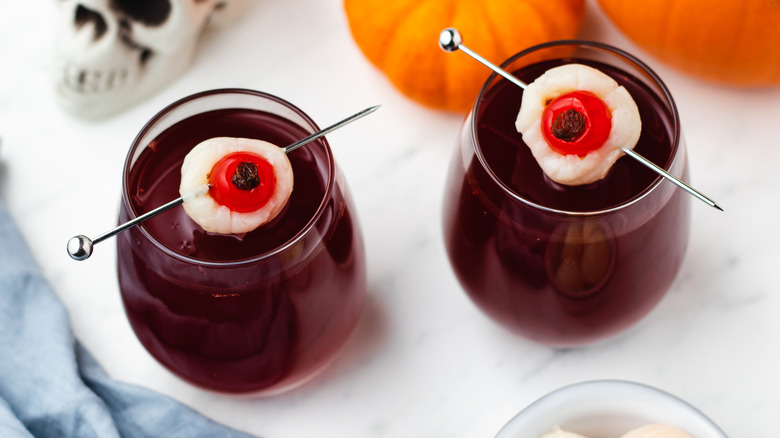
pixel 575 120
pixel 249 182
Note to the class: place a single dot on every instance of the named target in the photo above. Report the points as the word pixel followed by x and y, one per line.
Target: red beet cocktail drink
pixel 255 312
pixel 566 265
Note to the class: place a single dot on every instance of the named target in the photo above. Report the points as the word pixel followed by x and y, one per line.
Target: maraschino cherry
pixel 576 123
pixel 242 181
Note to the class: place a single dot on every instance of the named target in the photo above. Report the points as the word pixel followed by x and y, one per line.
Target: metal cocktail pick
pixel 451 41
pixel 80 247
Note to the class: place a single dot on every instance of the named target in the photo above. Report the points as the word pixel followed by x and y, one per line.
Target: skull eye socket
pixel 86 16
pixel 148 12
pixel 146 54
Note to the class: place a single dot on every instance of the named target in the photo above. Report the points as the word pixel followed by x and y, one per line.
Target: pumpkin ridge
pixel 393 37
pixel 506 48
pixel 668 36
pixel 540 9
pixel 404 63
pixel 739 35
pixel 663 25
pixel 492 29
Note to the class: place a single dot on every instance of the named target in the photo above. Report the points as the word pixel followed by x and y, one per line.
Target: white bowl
pixel 608 409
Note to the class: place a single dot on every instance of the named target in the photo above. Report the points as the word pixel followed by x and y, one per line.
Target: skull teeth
pixel 94 81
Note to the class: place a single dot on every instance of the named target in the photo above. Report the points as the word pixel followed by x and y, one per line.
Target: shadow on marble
pixel 367 336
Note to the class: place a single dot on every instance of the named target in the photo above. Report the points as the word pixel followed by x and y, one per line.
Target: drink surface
pixel 155 177
pixel 511 160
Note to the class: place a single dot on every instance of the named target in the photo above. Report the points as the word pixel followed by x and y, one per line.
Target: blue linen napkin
pixel 50 386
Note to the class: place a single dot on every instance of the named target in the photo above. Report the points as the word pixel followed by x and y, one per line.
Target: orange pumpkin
pixel 400 37
pixel 732 41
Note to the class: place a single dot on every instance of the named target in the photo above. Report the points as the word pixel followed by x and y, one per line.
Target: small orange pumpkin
pixel 400 37
pixel 735 41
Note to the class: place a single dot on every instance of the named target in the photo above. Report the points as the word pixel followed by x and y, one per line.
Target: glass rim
pixel 676 139
pixel 224 91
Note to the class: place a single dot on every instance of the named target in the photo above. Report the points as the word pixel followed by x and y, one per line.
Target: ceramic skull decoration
pixel 112 53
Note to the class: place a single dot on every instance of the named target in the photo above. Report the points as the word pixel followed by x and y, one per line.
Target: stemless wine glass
pixel 254 313
pixel 565 265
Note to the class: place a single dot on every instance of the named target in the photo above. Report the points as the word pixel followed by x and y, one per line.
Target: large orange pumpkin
pixel 401 38
pixel 731 41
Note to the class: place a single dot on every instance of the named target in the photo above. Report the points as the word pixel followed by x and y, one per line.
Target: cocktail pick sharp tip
pixel 659 170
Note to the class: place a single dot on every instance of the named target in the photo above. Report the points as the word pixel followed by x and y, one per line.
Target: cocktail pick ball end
pixel 450 40
pixel 80 247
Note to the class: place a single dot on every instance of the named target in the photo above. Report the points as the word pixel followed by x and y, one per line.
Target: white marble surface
pixel 423 361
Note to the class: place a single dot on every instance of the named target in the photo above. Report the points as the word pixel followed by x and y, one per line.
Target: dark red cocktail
pixel 258 312
pixel 565 265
